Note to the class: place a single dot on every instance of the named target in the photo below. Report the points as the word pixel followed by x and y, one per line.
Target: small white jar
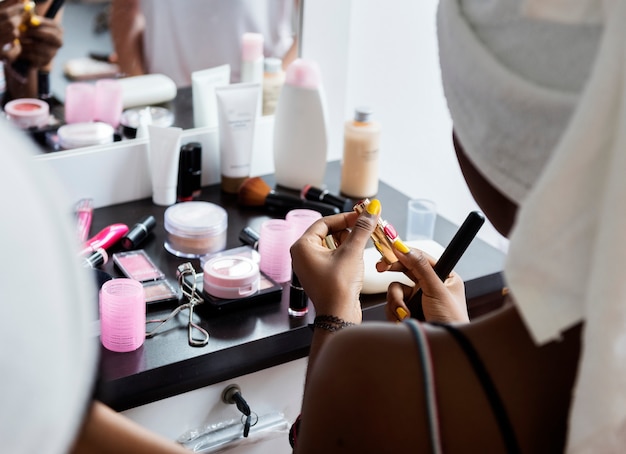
pixel 231 277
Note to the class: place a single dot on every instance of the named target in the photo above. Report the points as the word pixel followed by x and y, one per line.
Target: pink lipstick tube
pixel 105 238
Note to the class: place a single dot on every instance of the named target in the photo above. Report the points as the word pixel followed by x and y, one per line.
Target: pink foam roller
pixel 275 239
pixel 122 315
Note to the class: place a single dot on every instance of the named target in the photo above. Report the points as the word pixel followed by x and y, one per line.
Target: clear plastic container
pixel 195 229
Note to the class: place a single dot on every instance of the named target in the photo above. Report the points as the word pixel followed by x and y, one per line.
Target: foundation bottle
pixel 359 167
pixel 273 80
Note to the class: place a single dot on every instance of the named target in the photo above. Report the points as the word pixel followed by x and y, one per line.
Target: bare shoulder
pixel 365 394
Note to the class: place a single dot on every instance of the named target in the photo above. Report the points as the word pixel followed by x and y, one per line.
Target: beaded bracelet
pixel 330 323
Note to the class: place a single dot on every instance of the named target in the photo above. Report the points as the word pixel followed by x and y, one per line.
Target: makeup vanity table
pixel 169 386
pixel 261 341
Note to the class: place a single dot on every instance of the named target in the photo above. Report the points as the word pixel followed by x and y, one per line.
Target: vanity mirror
pixel 122 167
pixel 177 38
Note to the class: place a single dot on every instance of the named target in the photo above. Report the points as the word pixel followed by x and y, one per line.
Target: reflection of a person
pixel 32 39
pixel 177 38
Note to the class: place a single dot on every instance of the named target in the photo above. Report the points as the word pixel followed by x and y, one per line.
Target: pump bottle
pixel 300 128
pixel 359 167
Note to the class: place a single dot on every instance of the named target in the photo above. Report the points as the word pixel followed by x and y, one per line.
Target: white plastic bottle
pixel 300 128
pixel 359 167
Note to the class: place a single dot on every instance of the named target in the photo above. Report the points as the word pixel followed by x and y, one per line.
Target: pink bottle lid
pixel 251 46
pixel 303 73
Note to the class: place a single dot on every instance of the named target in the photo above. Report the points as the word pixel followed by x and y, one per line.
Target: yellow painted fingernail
pixel 35 21
pixel 29 6
pixel 401 313
pixel 374 207
pixel 400 246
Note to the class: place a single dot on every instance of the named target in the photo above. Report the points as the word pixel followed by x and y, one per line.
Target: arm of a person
pixel 106 431
pixel 333 278
pixel 127 25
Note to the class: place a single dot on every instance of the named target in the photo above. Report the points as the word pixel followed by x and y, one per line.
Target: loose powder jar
pixel 195 229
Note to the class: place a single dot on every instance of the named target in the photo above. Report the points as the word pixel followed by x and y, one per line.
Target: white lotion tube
pixel 237 106
pixel 203 85
pixel 300 129
pixel 163 153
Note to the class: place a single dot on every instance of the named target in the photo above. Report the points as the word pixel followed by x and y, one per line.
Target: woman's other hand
pixel 41 41
pixel 333 278
pixel 10 19
pixel 441 301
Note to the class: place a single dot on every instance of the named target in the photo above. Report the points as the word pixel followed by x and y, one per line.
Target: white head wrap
pixel 563 154
pixel 48 349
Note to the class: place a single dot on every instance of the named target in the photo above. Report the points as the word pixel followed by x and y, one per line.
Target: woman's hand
pixel 333 278
pixel 10 19
pixel 41 42
pixel 441 301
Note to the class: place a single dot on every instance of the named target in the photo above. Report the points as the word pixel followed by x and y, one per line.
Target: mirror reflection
pixel 90 40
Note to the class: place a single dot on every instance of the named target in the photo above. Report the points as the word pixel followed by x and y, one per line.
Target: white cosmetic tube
pixel 237 108
pixel 163 153
pixel 203 85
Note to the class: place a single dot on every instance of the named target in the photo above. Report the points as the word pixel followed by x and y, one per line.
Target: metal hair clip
pixel 190 292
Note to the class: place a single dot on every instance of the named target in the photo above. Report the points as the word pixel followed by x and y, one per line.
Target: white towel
pixel 567 250
pixel 49 351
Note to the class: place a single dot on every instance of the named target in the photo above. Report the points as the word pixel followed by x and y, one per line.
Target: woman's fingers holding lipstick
pixel 333 278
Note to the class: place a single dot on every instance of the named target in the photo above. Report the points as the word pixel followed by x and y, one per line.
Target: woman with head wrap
pixel 536 94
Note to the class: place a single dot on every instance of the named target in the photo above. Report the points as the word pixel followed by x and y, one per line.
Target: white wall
pixel 392 65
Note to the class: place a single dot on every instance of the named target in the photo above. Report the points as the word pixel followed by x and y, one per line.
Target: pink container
pixel 275 239
pixel 301 219
pixel 109 103
pixel 122 315
pixel 80 102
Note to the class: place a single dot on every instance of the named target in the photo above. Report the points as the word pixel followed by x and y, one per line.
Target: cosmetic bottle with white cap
pixel 359 167
pixel 252 58
pixel 252 62
pixel 273 81
pixel 300 128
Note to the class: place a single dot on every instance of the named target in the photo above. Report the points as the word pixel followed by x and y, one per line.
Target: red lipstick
pixel 105 238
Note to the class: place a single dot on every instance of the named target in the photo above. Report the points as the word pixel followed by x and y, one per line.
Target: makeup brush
pixel 255 192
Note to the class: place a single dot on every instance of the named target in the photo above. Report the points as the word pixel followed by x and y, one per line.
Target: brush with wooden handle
pixel 255 192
